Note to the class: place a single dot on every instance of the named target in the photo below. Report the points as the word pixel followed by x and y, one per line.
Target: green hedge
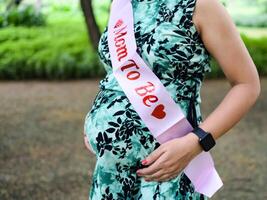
pixel 61 51
pixel 258 50
pixel 58 51
pixel 25 16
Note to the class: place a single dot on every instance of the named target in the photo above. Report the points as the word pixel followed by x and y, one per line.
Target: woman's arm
pixel 223 41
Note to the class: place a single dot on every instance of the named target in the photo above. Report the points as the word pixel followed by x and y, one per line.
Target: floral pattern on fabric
pixel 169 42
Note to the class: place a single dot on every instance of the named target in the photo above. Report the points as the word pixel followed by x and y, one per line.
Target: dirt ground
pixel 42 155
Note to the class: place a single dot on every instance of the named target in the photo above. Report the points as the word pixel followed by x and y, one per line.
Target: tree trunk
pixel 92 28
pixel 13 3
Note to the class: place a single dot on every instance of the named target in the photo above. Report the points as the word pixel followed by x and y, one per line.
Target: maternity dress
pixel 169 42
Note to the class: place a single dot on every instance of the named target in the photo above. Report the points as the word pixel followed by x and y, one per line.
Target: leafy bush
pixel 59 51
pixel 258 50
pixel 2 20
pixel 25 16
pixel 61 8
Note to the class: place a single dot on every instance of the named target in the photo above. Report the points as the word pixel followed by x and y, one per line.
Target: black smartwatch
pixel 205 139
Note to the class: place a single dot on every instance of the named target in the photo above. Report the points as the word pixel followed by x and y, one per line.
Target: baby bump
pixel 115 131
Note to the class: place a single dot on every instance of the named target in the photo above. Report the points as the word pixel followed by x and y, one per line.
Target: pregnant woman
pixel 176 39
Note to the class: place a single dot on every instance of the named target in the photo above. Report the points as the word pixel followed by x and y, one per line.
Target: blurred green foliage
pixel 22 16
pixel 258 50
pixel 248 13
pixel 263 4
pixel 251 21
pixel 101 11
pixel 59 51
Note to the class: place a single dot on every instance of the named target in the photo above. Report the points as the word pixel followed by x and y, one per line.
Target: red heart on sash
pixel 118 24
pixel 158 112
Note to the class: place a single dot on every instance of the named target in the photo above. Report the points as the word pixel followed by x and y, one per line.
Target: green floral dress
pixel 168 41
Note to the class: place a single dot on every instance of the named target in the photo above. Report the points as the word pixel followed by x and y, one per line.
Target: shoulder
pixel 210 13
pixel 209 7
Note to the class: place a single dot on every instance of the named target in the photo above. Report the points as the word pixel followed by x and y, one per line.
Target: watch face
pixel 207 142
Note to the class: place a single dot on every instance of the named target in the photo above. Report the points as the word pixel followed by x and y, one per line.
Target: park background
pixel 49 72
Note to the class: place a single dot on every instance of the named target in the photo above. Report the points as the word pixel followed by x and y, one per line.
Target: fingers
pixel 153 168
pixel 161 176
pixel 159 171
pixel 153 156
pixel 167 177
pixel 155 176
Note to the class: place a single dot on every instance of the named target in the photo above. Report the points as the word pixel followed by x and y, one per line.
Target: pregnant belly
pixel 115 131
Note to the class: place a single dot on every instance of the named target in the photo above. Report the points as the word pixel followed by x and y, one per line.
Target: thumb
pixel 152 157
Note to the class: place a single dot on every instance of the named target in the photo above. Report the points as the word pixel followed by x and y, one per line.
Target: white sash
pixel 162 116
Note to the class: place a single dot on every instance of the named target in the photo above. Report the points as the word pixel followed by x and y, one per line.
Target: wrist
pixel 206 139
pixel 193 140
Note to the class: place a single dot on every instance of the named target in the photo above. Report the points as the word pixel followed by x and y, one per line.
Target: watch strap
pixel 200 132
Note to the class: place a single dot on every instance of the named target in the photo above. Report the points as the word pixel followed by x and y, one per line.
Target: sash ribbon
pixel 151 100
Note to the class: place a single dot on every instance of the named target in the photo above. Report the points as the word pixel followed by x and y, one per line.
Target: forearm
pixel 240 98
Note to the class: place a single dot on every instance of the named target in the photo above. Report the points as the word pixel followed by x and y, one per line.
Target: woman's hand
pixel 170 158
